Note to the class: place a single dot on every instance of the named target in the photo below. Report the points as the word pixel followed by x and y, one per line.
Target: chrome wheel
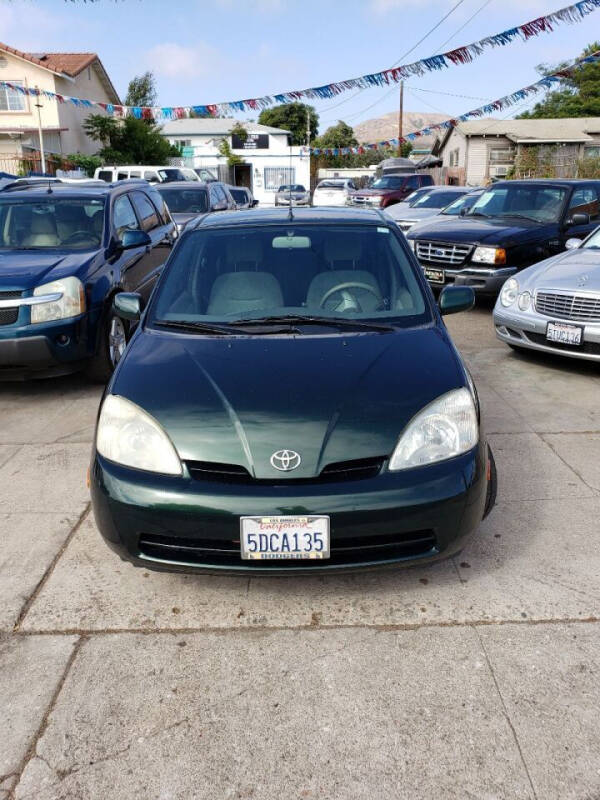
pixel 117 340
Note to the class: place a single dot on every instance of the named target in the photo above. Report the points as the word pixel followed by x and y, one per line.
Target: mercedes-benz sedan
pixel 554 306
pixel 290 401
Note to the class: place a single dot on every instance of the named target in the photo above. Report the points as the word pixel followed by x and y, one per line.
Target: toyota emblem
pixel 285 460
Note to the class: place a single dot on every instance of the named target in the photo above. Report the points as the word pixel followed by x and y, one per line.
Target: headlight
pixel 70 304
pixel 509 292
pixel 443 429
pixel 130 436
pixel 489 255
pixel 524 301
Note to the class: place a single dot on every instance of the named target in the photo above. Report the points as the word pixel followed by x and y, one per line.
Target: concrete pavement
pixel 475 678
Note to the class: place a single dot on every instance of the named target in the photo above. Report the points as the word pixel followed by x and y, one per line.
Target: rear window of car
pixel 186 201
pixel 295 187
pixel 239 195
pixel 331 185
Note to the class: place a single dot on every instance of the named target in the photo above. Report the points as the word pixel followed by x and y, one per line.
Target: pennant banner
pixel 460 55
pixel 547 82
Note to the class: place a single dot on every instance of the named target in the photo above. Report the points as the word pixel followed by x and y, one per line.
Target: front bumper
pixel 169 523
pixel 528 329
pixel 483 280
pixel 285 201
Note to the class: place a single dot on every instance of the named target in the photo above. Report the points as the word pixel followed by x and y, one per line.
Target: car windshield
pixel 186 201
pixel 331 185
pixel 593 241
pixel 435 200
pixel 464 201
pixel 416 195
pixel 538 203
pixel 388 183
pixel 51 223
pixel 280 274
pixel 295 187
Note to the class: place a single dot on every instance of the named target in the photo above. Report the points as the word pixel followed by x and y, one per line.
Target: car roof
pixel 545 182
pixel 92 189
pixel 274 216
pixel 170 185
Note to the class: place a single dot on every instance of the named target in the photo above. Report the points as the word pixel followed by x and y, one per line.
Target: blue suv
pixel 65 250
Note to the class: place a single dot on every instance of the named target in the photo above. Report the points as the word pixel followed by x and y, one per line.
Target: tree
pixel 578 95
pixel 142 91
pixel 340 135
pixel 129 140
pixel 292 117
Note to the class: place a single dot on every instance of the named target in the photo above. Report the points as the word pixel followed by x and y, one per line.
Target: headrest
pixel 348 248
pixel 43 223
pixel 244 249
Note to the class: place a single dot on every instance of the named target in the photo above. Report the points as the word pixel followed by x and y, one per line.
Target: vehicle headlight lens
pixel 509 292
pixel 489 255
pixel 524 301
pixel 443 429
pixel 71 304
pixel 129 436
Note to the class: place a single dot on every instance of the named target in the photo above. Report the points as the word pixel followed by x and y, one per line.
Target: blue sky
pixel 204 51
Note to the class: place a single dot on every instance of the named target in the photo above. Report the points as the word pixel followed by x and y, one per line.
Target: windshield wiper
pixel 209 327
pixel 520 216
pixel 477 214
pixel 300 319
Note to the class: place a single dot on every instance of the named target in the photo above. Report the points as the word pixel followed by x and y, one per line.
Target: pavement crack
pixel 43 580
pixel 506 714
pixel 566 463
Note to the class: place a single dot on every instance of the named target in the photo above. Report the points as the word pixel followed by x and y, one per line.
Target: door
pixel 128 261
pixel 160 231
pixel 243 175
pixel 584 200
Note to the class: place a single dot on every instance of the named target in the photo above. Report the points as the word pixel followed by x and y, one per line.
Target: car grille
pixel 358 469
pixel 590 348
pixel 9 315
pixel 344 550
pixel 442 253
pixel 568 306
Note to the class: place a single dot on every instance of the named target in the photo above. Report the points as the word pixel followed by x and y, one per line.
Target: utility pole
pixel 307 126
pixel 38 105
pixel 400 115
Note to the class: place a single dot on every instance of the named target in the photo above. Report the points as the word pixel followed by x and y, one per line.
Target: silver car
pixel 292 194
pixel 429 205
pixel 554 306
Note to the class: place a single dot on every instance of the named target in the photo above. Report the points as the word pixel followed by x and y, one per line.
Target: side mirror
pixel 219 207
pixel 572 244
pixel 578 219
pixel 133 239
pixel 254 203
pixel 456 298
pixel 463 212
pixel 128 305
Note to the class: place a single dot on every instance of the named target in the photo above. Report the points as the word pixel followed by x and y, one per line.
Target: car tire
pixel 114 335
pixel 492 486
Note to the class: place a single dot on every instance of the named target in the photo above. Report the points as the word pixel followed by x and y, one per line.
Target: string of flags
pixel 461 55
pixel 547 82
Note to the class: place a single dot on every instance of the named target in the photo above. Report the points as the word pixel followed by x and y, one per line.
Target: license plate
pixel 274 538
pixel 435 275
pixel 563 333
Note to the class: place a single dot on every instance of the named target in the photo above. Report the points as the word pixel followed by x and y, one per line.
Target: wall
pixel 17 69
pixel 87 86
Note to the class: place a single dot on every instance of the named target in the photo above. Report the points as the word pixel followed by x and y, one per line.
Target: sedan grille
pixel 568 306
pixel 345 550
pixel 9 315
pixel 358 469
pixel 442 253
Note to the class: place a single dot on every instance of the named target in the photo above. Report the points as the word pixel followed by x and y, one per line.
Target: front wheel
pixel 112 344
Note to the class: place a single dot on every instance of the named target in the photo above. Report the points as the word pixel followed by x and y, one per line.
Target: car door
pixel 584 200
pixel 125 219
pixel 160 230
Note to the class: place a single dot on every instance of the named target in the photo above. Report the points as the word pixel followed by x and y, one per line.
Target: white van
pixel 150 174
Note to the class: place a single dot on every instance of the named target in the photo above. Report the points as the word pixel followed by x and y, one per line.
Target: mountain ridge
pixel 386 126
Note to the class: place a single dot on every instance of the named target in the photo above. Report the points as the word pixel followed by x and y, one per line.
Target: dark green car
pixel 290 401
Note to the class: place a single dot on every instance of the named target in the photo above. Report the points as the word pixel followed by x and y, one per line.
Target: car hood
pixel 25 269
pixel 477 230
pixel 183 217
pixel 573 270
pixel 329 398
pixel 413 213
pixel 371 192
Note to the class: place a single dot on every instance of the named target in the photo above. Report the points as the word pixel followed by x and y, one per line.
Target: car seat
pixel 42 232
pixel 359 289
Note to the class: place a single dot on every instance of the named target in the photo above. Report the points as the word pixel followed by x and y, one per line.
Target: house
pixel 269 161
pixel 74 74
pixel 473 153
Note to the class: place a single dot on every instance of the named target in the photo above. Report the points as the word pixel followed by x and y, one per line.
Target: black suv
pixel 65 251
pixel 512 225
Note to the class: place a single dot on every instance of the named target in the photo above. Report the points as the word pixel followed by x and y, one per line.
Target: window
pixel 150 176
pixel 453 158
pixel 584 200
pixel 412 182
pixel 146 211
pixel 124 217
pixel 592 152
pixel 12 99
pixel 183 142
pixel 535 201
pixel 122 176
pixel 105 175
pixel 276 176
pixel 502 155
pixel 186 201
pixel 135 173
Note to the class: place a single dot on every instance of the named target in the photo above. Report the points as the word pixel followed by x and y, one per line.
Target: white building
pixel 269 161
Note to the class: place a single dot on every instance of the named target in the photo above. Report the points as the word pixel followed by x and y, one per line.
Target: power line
pixel 472 17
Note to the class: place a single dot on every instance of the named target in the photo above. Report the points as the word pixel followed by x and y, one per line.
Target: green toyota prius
pixel 290 401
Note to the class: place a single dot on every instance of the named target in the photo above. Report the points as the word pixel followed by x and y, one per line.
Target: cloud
pixel 173 60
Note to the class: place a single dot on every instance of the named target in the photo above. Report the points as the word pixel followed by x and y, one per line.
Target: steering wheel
pixel 349 301
pixel 77 235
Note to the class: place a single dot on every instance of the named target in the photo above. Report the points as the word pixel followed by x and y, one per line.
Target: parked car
pixel 412 198
pixel 151 174
pixel 554 306
pixel 290 402
pixel 65 250
pixel 332 192
pixel 390 189
pixel 292 194
pixel 242 196
pixel 512 225
pixel 426 206
pixel 187 200
pixel 451 213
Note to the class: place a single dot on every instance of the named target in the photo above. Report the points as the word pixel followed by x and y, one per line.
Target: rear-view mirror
pixel 291 243
pixel 456 298
pixel 128 305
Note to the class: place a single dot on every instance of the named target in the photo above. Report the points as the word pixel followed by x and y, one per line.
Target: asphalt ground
pixel 475 678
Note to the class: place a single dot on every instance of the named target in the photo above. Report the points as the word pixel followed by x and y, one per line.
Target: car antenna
pixel 290 212
pixel 49 189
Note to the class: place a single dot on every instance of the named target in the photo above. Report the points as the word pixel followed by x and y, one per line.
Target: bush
pixel 87 163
